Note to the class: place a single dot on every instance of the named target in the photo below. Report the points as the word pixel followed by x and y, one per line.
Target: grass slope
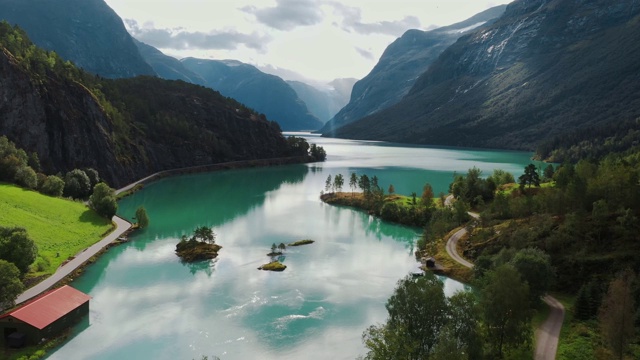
pixel 56 225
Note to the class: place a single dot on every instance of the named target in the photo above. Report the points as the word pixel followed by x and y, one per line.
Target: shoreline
pixel 230 165
pixel 67 273
pixel 102 245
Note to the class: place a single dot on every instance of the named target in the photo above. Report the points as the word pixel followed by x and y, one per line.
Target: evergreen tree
pixel 530 177
pixel 353 182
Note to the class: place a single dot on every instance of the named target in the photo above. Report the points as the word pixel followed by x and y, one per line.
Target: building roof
pixel 49 307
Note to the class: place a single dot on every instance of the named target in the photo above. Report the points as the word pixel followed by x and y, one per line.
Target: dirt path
pixel 66 269
pixel 548 333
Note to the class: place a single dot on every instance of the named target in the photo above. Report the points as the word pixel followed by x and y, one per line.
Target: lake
pixel 146 304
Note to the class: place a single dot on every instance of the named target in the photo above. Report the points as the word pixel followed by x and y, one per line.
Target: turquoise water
pixel 147 304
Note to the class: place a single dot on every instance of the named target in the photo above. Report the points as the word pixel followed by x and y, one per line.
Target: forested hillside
pixel 87 32
pixel 124 128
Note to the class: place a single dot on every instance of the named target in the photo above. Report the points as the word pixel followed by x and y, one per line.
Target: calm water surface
pixel 146 304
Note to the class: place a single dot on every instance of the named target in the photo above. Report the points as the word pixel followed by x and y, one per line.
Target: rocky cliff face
pixel 62 122
pixel 87 32
pixel 265 93
pixel 167 125
pixel 545 68
pixel 400 66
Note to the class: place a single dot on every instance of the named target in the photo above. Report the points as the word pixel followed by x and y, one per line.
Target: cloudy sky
pixel 320 39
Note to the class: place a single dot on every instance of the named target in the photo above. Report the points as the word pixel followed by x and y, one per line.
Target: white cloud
pixel 320 39
pixel 287 14
pixel 180 39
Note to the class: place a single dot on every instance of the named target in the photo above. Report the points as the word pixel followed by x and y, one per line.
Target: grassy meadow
pixel 57 226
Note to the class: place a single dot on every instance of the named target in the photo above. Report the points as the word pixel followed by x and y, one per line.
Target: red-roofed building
pixel 43 317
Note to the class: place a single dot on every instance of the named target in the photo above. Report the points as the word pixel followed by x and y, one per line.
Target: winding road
pixel 548 333
pixel 66 269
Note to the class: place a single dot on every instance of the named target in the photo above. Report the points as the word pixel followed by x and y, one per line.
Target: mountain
pixel 400 66
pixel 318 102
pixel 124 128
pixel 167 67
pixel 324 100
pixel 544 69
pixel 265 93
pixel 87 32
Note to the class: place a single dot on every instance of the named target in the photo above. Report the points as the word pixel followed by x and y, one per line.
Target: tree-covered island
pixel 201 246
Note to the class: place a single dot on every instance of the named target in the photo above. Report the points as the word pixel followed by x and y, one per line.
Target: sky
pixel 319 39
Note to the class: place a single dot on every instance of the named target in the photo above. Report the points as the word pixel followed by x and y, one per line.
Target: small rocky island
pixel 301 242
pixel 273 266
pixel 201 246
pixel 277 251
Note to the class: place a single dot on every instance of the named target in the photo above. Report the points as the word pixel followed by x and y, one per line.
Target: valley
pixel 497 146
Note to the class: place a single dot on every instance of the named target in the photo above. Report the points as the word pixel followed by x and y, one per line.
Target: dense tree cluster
pixel 300 147
pixel 592 142
pixel 17 252
pixel 18 167
pixel 372 198
pixel 592 209
pixel 423 324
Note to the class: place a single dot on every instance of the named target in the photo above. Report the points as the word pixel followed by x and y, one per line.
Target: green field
pixel 56 225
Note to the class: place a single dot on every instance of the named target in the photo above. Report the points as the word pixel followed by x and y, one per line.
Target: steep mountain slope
pixel 317 101
pixel 166 66
pixel 324 100
pixel 544 69
pixel 87 32
pixel 265 93
pixel 400 66
pixel 125 128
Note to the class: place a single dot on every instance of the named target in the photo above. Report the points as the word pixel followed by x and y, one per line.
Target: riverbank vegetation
pixel 199 247
pixel 572 228
pixel 584 219
pixel 424 324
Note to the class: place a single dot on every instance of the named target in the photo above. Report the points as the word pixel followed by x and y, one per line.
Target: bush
pixel 52 186
pixel 26 177
pixel 103 200
pixel 77 184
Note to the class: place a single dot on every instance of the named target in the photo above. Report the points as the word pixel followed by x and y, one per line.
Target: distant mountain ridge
pixel 87 32
pixel 324 102
pixel 543 69
pixel 400 66
pixel 167 67
pixel 265 93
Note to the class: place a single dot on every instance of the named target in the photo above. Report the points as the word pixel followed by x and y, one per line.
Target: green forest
pixel 570 230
